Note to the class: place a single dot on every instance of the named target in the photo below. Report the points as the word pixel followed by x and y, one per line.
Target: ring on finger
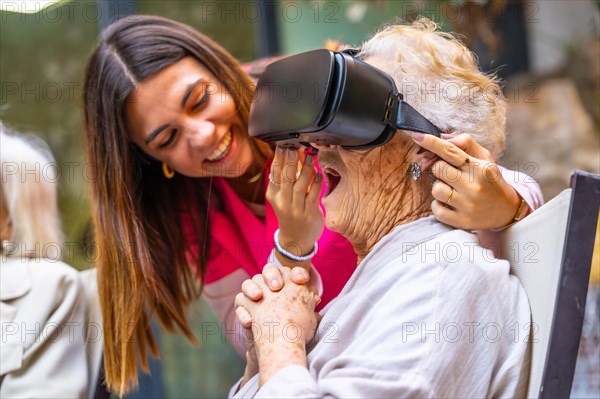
pixel 466 162
pixel 447 203
pixel 273 182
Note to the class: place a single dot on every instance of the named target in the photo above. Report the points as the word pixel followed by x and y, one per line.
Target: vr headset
pixel 330 98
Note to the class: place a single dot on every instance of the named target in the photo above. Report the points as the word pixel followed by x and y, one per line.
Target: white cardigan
pixel 428 313
pixel 43 319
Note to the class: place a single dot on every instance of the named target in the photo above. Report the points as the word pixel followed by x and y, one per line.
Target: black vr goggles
pixel 330 98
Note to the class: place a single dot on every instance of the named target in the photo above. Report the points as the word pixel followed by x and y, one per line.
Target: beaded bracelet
pixel 290 255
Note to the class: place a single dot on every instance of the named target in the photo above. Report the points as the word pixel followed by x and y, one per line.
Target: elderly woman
pixel 43 300
pixel 428 312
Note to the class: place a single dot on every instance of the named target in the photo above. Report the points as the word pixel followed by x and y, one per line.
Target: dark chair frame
pixel 565 334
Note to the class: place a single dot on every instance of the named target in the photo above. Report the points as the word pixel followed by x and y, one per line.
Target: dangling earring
pixel 415 171
pixel 167 171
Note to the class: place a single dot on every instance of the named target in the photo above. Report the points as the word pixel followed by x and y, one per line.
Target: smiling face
pixel 183 116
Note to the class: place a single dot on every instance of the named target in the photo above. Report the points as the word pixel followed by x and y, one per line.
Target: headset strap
pixel 410 119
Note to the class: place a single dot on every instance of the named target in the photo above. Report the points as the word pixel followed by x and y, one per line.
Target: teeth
pixel 222 149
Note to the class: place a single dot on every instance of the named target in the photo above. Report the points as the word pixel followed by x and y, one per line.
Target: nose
pixel 201 134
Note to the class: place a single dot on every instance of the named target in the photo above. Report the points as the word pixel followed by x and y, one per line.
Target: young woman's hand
pixel 470 192
pixel 294 197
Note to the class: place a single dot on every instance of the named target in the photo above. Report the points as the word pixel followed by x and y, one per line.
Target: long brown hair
pixel 142 266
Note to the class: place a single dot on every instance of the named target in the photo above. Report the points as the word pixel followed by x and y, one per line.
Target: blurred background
pixel 546 51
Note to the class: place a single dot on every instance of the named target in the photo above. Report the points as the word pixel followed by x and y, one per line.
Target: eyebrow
pixel 186 96
pixel 188 91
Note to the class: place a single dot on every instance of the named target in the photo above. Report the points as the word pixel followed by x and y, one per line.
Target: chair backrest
pixel 550 252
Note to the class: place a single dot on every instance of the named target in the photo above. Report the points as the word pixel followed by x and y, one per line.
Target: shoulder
pixel 452 267
pixel 455 250
pixel 445 252
pixel 470 283
pixel 465 267
pixel 55 273
pixel 46 278
pixel 464 259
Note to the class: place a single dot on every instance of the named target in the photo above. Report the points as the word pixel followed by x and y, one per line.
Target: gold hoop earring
pixel 167 171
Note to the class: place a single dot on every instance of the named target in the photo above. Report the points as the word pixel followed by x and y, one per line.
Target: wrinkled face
pixel 364 187
pixel 183 116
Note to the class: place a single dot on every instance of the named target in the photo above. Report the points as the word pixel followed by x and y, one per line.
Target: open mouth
pixel 332 179
pixel 222 149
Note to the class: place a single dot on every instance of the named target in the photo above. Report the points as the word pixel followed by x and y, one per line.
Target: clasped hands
pixel 277 310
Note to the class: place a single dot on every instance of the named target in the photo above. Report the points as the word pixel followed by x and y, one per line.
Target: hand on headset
pixel 470 192
pixel 293 192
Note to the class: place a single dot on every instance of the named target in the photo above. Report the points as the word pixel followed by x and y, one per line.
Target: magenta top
pixel 240 240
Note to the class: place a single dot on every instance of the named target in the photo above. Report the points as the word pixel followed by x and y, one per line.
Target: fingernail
pixel 242 315
pixel 280 150
pixel 318 178
pixel 292 154
pixel 254 292
pixel 298 274
pixel 417 136
pixel 310 159
pixel 275 284
pixel 446 136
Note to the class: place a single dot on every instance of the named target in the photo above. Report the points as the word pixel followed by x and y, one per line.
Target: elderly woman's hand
pixel 254 292
pixel 274 280
pixel 273 277
pixel 293 295
pixel 295 200
pixel 282 322
pixel 470 192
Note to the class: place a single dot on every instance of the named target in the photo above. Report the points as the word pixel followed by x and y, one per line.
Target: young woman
pixel 181 183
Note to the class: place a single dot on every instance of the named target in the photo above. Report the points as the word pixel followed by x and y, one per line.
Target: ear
pixel 423 157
